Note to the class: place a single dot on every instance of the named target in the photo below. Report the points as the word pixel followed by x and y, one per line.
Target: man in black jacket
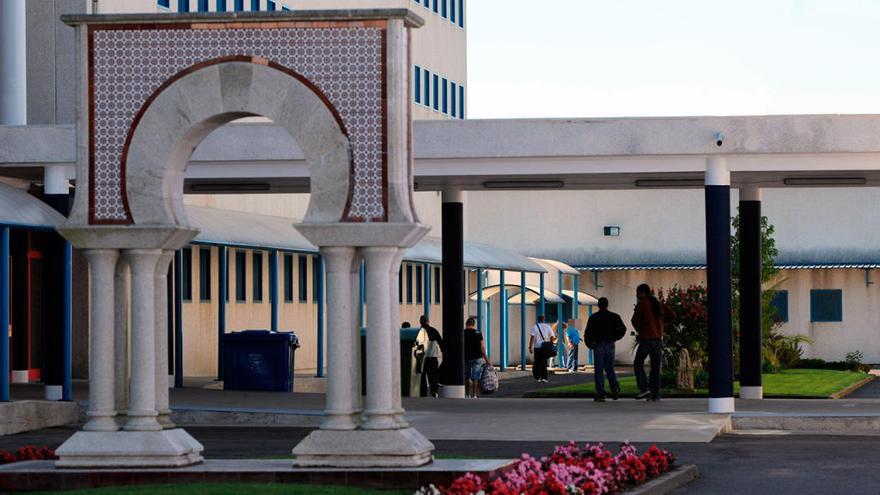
pixel 604 328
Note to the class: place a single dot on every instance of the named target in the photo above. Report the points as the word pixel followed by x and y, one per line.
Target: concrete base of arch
pixel 405 447
pixel 130 449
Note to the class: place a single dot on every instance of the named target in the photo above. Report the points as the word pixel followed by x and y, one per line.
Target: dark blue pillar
pixel 319 297
pixel 453 293
pixel 750 293
pixel 560 356
pixel 178 319
pixel 502 328
pixel 480 299
pixel 426 290
pixel 67 345
pixel 273 290
pixel 522 320
pixel 4 314
pixel 221 305
pixel 541 307
pixel 718 286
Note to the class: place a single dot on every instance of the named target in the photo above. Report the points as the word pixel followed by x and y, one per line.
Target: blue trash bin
pixel 259 360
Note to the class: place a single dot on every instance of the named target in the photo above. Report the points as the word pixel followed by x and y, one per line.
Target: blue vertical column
pixel 273 290
pixel 560 345
pixel 66 346
pixel 319 297
pixel 178 319
pixel 718 286
pixel 362 291
pixel 426 290
pixel 480 299
pixel 488 330
pixel 221 305
pixel 750 294
pixel 522 320
pixel 502 327
pixel 575 303
pixel 4 314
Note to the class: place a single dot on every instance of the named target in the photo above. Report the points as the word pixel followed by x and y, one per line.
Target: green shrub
pixel 821 364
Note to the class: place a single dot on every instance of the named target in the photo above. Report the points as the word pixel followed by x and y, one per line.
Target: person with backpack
pixel 647 319
pixel 475 357
pixel 433 356
pixel 604 328
pixel 542 347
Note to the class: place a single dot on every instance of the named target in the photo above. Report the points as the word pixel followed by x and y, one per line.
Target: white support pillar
pixel 120 337
pixel 163 407
pixel 13 63
pixel 343 364
pixel 142 415
pixel 101 412
pixel 394 311
pixel 379 413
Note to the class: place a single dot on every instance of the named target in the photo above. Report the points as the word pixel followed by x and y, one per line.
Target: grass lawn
pixel 795 383
pixel 233 489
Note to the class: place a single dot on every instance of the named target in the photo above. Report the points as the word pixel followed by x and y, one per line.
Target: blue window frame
pixel 240 276
pixel 203 5
pixel 417 84
pixel 419 284
pixel 461 102
pixel 427 93
pixel 303 278
pixel 452 11
pixel 205 273
pixel 239 5
pixel 270 5
pixel 461 14
pixel 444 10
pixel 436 6
pixel 288 277
pixel 400 286
pixel 255 5
pixel 445 96
pixel 826 306
pixel 257 268
pixel 183 5
pixel 453 91
pixel 426 3
pixel 409 284
pixel 436 285
pixel 165 4
pixel 186 263
pixel 436 93
pixel 780 302
pixel 221 5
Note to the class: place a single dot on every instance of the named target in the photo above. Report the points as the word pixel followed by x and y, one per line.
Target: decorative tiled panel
pixel 345 63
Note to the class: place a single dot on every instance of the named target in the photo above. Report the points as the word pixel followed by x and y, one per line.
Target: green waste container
pixel 410 367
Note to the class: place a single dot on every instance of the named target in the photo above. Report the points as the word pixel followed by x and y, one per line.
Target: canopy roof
pixel 555 266
pixel 20 209
pixel 533 294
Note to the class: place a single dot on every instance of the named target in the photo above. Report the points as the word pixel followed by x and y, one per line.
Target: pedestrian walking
pixel 542 348
pixel 572 343
pixel 474 357
pixel 433 356
pixel 604 328
pixel 647 319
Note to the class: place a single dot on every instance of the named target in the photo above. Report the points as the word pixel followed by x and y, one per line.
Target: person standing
pixel 433 355
pixel 572 342
pixel 647 319
pixel 474 357
pixel 604 328
pixel 541 334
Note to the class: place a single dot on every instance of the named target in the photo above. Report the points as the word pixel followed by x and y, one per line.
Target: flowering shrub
pixel 569 470
pixel 27 453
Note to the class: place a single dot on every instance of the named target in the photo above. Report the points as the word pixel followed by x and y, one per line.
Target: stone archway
pixel 338 82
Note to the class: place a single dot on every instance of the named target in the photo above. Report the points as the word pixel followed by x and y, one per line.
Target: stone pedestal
pixel 128 449
pixel 364 448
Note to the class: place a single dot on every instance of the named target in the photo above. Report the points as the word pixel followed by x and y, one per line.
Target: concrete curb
pixel 670 481
pixel 852 388
pixel 805 424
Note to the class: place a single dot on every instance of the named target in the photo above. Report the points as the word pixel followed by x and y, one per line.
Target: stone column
pixel 142 414
pixel 120 336
pixel 13 63
pixel 394 311
pixel 102 266
pixel 342 369
pixel 161 344
pixel 379 413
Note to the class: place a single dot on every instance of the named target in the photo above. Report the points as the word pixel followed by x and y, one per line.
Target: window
pixel 239 5
pixel 461 102
pixel 436 285
pixel 780 302
pixel 205 273
pixel 270 5
pixel 258 276
pixel 826 306
pixel 165 4
pixel 409 284
pixel 316 278
pixel 183 5
pixel 452 10
pixel 443 11
pixel 452 92
pixel 426 3
pixel 288 277
pixel 303 278
pixel 461 13
pixel 255 5
pixel 203 5
pixel 436 93
pixel 419 284
pixel 240 276
pixel 445 96
pixel 436 6
pixel 221 5
pixel 417 84
pixel 400 286
pixel 186 263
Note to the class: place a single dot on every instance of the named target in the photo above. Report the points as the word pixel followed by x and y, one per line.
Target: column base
pixel 20 376
pixel 721 405
pixel 52 392
pixel 164 419
pixel 751 392
pixel 129 449
pixel 364 449
pixel 452 391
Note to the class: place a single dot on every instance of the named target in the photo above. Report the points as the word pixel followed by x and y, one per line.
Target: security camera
pixel 719 139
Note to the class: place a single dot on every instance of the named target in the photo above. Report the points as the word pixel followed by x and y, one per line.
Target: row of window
pixel 825 305
pixel 223 5
pixel 415 292
pixel 438 93
pixel 291 291
pixel 451 10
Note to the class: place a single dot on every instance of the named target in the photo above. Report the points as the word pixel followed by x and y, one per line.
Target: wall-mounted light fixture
pixel 523 184
pixel 825 181
pixel 669 183
pixel 612 230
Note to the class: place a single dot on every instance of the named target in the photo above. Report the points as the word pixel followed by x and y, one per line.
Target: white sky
pixel 611 58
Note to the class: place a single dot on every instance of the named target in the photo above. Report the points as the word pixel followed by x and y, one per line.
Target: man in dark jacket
pixel 604 328
pixel 648 319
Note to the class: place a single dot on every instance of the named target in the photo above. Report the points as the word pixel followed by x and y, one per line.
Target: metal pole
pixel 66 391
pixel 559 316
pixel 362 315
pixel 480 325
pixel 273 290
pixel 319 296
pixel 488 330
pixel 221 315
pixel 426 290
pixel 4 314
pixel 541 300
pixel 502 328
pixel 178 319
pixel 522 320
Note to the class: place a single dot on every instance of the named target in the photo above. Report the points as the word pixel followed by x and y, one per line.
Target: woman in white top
pixel 541 333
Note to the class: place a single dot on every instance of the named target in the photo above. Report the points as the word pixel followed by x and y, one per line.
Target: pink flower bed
pixel 27 453
pixel 569 470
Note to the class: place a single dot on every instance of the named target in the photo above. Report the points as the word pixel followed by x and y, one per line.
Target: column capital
pixel 750 192
pixel 717 173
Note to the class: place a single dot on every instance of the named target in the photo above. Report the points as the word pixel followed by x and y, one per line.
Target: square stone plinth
pixel 405 447
pixel 122 449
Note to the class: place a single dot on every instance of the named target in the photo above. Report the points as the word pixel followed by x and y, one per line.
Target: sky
pixel 627 58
